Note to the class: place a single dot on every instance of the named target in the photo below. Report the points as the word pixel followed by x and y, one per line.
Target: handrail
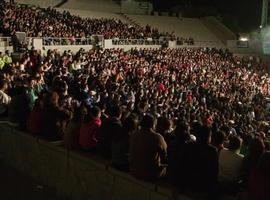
pixel 61 41
pixel 117 41
pixel 50 41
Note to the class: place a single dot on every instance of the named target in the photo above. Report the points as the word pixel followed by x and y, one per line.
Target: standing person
pixel 148 152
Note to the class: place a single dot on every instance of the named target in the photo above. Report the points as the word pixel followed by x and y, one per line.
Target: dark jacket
pixel 55 121
pixel 107 131
pixel 200 165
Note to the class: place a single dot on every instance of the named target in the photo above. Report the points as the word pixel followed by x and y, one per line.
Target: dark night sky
pixel 248 12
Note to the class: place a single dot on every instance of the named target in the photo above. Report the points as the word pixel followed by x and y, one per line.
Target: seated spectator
pixel 72 132
pixel 255 151
pixel 2 63
pixel 148 151
pixel 7 58
pixel 5 99
pixel 90 129
pixel 218 139
pixel 36 119
pixel 176 150
pixel 230 161
pixel 164 127
pixel 200 164
pixel 120 143
pixel 108 130
pixel 259 183
pixel 56 118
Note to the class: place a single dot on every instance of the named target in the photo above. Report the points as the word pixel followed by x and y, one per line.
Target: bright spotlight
pixel 243 39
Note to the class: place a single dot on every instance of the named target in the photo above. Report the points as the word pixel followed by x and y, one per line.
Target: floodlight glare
pixel 243 39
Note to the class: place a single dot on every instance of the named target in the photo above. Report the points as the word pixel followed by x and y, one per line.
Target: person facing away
pixel 259 182
pixel 72 131
pixel 256 148
pixel 111 127
pixel 56 117
pixel 176 151
pixel 120 143
pixel 89 129
pixel 218 139
pixel 231 161
pixel 5 99
pixel 148 152
pixel 200 163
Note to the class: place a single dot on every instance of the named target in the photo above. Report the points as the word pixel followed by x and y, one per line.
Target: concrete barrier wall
pixel 74 174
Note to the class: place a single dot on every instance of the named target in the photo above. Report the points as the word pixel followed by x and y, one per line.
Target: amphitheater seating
pixel 40 3
pixel 219 29
pixel 94 14
pixel 96 5
pixel 206 29
pixel 183 27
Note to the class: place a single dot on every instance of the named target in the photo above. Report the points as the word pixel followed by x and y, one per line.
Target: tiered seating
pixel 184 27
pixel 40 3
pixel 96 5
pixel 219 29
pixel 93 14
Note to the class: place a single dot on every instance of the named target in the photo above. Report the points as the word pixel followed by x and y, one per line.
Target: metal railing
pixel 199 43
pixel 162 41
pixel 5 41
pixel 50 41
pixel 136 42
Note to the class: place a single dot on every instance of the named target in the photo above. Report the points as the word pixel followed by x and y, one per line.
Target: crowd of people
pixel 50 23
pixel 198 117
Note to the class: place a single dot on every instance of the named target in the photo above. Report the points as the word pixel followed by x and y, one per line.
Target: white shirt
pixel 230 164
pixel 4 101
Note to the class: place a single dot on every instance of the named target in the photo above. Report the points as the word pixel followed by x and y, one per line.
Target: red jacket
pixel 88 133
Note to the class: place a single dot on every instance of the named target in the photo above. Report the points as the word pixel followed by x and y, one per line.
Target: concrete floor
pixel 16 186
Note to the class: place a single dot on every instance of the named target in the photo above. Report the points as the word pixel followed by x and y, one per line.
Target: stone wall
pixel 75 175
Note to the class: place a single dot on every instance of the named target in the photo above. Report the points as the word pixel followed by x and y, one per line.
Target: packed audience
pixel 197 117
pixel 50 23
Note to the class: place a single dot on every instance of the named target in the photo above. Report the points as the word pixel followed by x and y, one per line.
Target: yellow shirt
pixel 7 59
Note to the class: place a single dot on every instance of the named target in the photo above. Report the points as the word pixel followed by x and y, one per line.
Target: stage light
pixel 243 39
